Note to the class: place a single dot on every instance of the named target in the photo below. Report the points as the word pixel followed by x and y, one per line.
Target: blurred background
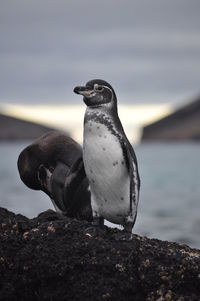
pixel 149 51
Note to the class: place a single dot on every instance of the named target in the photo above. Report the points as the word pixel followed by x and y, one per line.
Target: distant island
pixel 182 125
pixel 12 128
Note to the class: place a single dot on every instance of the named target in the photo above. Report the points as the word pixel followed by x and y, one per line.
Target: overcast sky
pixel 148 50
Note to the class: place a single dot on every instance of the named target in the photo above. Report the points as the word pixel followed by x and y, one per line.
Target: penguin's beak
pixel 85 91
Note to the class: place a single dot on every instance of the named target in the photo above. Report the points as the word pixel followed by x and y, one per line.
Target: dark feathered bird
pixel 53 163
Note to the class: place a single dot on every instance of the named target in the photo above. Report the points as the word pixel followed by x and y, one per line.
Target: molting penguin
pixel 109 159
pixel 53 163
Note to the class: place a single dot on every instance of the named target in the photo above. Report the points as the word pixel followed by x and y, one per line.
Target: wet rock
pixel 57 258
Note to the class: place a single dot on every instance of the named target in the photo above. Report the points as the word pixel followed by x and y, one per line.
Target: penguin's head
pixel 97 92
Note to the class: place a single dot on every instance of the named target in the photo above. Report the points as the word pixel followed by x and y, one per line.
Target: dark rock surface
pixel 182 125
pixel 17 129
pixel 56 258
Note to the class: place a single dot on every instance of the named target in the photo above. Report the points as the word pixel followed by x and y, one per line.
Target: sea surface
pixel 169 207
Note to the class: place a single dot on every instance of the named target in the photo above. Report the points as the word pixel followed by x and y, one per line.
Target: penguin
pixel 53 163
pixel 109 159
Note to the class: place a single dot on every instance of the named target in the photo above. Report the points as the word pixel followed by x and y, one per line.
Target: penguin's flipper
pixel 74 178
pixel 131 163
pixel 58 177
pixel 77 193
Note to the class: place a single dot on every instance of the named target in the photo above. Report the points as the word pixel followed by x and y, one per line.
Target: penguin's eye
pixel 98 88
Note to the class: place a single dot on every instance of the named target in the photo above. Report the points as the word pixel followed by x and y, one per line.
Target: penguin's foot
pixel 126 234
pixel 98 221
pixel 128 227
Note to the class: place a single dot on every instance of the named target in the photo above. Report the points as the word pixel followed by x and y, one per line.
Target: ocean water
pixel 169 207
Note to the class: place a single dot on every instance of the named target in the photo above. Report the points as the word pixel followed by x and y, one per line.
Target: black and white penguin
pixel 53 163
pixel 109 159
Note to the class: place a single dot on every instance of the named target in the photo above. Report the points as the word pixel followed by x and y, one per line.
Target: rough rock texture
pixel 57 258
pixel 17 129
pixel 182 125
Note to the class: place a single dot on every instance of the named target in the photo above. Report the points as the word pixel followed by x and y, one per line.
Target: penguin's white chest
pixel 107 172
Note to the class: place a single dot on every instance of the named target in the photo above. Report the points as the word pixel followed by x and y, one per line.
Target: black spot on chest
pixel 105 120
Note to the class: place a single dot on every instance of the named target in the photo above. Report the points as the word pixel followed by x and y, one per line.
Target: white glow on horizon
pixel 70 117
